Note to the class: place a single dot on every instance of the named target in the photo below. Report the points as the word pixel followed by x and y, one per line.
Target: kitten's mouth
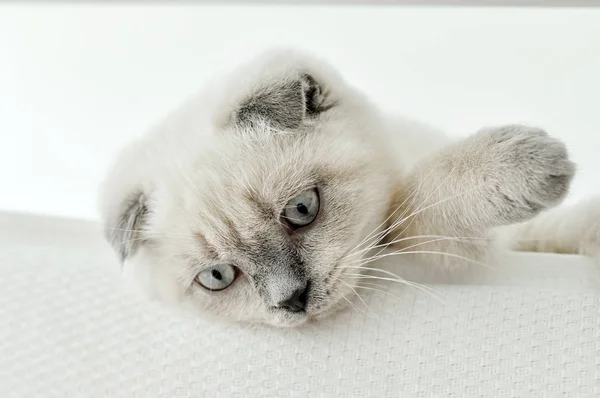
pixel 315 312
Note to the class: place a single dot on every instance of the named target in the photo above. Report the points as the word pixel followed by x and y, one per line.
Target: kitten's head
pixel 252 201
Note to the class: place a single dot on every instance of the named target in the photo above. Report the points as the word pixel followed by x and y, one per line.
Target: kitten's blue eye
pixel 217 277
pixel 302 210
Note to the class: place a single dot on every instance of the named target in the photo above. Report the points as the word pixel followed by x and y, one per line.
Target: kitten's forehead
pixel 271 169
pixel 241 187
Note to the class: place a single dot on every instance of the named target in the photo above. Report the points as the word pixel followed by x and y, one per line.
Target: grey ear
pixel 125 232
pixel 284 104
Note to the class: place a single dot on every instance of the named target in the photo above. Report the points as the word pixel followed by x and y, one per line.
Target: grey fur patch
pixel 280 270
pixel 125 234
pixel 284 104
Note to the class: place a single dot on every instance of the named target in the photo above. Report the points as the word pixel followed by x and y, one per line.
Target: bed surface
pixel 69 329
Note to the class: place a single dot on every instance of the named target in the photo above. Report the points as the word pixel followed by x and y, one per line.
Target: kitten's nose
pixel 297 301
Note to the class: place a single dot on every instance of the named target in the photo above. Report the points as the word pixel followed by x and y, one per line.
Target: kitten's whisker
pixel 406 227
pixel 351 303
pixel 441 237
pixel 394 224
pixel 355 292
pixel 399 252
pixel 420 210
pixel 425 289
pixel 397 277
pixel 383 271
pixel 379 291
pixel 375 236
pixel 429 241
pixel 371 313
pixel 368 237
pixel 386 272
pixel 367 283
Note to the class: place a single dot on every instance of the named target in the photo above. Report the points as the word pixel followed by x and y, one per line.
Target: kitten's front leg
pixel 496 177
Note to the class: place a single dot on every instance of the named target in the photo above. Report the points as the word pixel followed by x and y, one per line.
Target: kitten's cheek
pixel 144 274
pixel 339 295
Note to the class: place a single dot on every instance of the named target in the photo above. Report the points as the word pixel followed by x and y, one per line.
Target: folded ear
pixel 124 231
pixel 284 103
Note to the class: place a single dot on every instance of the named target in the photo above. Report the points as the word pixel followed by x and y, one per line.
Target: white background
pixel 77 82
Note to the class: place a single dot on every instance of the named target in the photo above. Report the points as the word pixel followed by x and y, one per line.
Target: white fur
pixel 195 166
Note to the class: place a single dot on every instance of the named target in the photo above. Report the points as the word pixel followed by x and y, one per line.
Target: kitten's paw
pixel 527 170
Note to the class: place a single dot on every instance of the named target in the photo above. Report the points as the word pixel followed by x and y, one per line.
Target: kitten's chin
pixel 289 320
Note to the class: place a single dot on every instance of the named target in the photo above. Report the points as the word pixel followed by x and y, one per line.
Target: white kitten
pixel 259 199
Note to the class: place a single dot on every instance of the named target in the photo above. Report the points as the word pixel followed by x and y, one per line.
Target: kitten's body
pixel 208 186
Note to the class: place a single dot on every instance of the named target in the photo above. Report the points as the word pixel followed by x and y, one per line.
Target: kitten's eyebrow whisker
pixel 292 219
pixel 147 232
pixel 132 240
pixel 143 238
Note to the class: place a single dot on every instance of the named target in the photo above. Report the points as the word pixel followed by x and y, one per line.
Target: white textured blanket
pixel 67 329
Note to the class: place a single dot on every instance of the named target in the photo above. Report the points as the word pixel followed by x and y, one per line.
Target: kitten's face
pixel 264 224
